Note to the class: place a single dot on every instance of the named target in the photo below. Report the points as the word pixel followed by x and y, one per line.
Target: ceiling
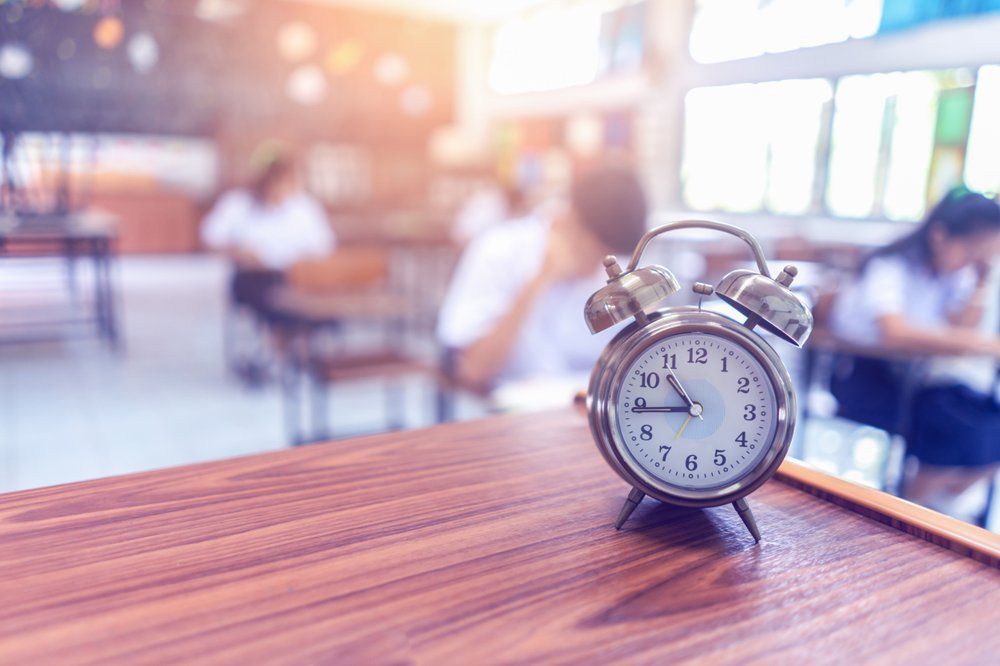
pixel 463 11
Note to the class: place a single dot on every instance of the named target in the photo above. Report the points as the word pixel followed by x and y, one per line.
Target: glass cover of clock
pixel 696 411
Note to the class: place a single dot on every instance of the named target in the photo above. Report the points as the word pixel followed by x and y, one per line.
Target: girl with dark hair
pixel 264 229
pixel 925 296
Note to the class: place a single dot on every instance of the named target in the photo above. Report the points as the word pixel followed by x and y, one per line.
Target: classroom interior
pixel 827 129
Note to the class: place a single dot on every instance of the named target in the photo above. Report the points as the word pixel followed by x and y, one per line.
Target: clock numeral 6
pixel 749 412
pixel 646 433
pixel 691 462
pixel 665 450
pixel 720 457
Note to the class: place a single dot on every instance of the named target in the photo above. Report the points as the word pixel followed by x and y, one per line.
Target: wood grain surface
pixel 472 543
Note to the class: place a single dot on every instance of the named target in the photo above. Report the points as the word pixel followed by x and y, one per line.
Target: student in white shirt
pixel 514 309
pixel 266 228
pixel 924 295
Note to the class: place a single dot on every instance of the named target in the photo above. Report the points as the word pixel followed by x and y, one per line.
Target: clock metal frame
pixel 609 374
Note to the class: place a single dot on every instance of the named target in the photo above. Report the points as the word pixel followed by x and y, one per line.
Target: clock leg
pixel 633 500
pixel 743 509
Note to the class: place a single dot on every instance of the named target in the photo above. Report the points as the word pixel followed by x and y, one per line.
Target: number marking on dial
pixel 729 390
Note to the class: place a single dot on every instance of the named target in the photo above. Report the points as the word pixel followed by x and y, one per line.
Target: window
pixel 339 173
pixel 898 142
pixel 566 45
pixel 732 29
pixel 42 164
pixel 982 164
pixel 749 147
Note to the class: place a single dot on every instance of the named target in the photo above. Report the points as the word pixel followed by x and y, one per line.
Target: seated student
pixel 514 309
pixel 924 295
pixel 267 227
pixel 264 229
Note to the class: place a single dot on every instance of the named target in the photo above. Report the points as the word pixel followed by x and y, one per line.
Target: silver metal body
pixel 608 377
pixel 628 295
pixel 765 301
pixel 769 303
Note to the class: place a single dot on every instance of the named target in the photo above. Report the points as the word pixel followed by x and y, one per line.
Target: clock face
pixel 696 411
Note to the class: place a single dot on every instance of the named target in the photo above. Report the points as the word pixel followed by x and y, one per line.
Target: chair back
pixel 347 268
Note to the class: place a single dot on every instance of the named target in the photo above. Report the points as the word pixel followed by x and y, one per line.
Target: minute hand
pixel 672 378
pixel 683 409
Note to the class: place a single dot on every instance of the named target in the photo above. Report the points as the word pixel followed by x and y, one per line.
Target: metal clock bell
pixel 688 406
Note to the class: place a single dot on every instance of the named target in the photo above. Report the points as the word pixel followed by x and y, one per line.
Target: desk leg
pixel 103 294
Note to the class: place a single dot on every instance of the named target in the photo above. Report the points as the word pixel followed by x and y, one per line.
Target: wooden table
pixel 471 543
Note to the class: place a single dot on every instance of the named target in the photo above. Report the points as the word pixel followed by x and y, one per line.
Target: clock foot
pixel 743 509
pixel 633 500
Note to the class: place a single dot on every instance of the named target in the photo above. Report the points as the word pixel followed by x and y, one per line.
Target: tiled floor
pixel 72 410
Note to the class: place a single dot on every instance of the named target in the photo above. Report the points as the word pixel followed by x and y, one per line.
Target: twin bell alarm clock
pixel 692 407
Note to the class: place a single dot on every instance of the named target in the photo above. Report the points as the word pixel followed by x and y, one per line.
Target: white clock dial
pixel 696 411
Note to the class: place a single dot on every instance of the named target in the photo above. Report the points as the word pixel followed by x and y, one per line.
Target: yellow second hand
pixel 683 425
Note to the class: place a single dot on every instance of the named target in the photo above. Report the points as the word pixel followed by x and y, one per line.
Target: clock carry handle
pixel 745 236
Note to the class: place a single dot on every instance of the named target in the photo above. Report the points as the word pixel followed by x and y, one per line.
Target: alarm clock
pixel 692 407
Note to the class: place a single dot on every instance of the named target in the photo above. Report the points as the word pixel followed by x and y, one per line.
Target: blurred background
pixel 233 226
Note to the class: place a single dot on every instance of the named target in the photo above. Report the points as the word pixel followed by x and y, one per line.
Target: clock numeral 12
pixel 699 355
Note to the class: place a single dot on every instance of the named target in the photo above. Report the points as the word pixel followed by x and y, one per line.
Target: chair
pixel 313 316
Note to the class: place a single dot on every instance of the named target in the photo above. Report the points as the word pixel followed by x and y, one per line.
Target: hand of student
pixel 983 269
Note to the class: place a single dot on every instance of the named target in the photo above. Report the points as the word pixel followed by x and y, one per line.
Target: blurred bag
pixel 954 426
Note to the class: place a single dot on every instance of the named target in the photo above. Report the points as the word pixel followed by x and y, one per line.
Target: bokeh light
pixel 306 85
pixel 69 5
pixel 66 48
pixel 391 69
pixel 143 52
pixel 297 41
pixel 15 61
pixel 344 57
pixel 416 100
pixel 108 32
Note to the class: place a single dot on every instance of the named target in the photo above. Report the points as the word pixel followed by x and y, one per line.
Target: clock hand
pixel 672 379
pixel 682 409
pixel 683 425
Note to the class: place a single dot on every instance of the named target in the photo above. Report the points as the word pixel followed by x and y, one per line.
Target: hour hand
pixel 672 379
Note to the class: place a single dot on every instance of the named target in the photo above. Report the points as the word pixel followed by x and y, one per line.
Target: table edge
pixel 964 538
